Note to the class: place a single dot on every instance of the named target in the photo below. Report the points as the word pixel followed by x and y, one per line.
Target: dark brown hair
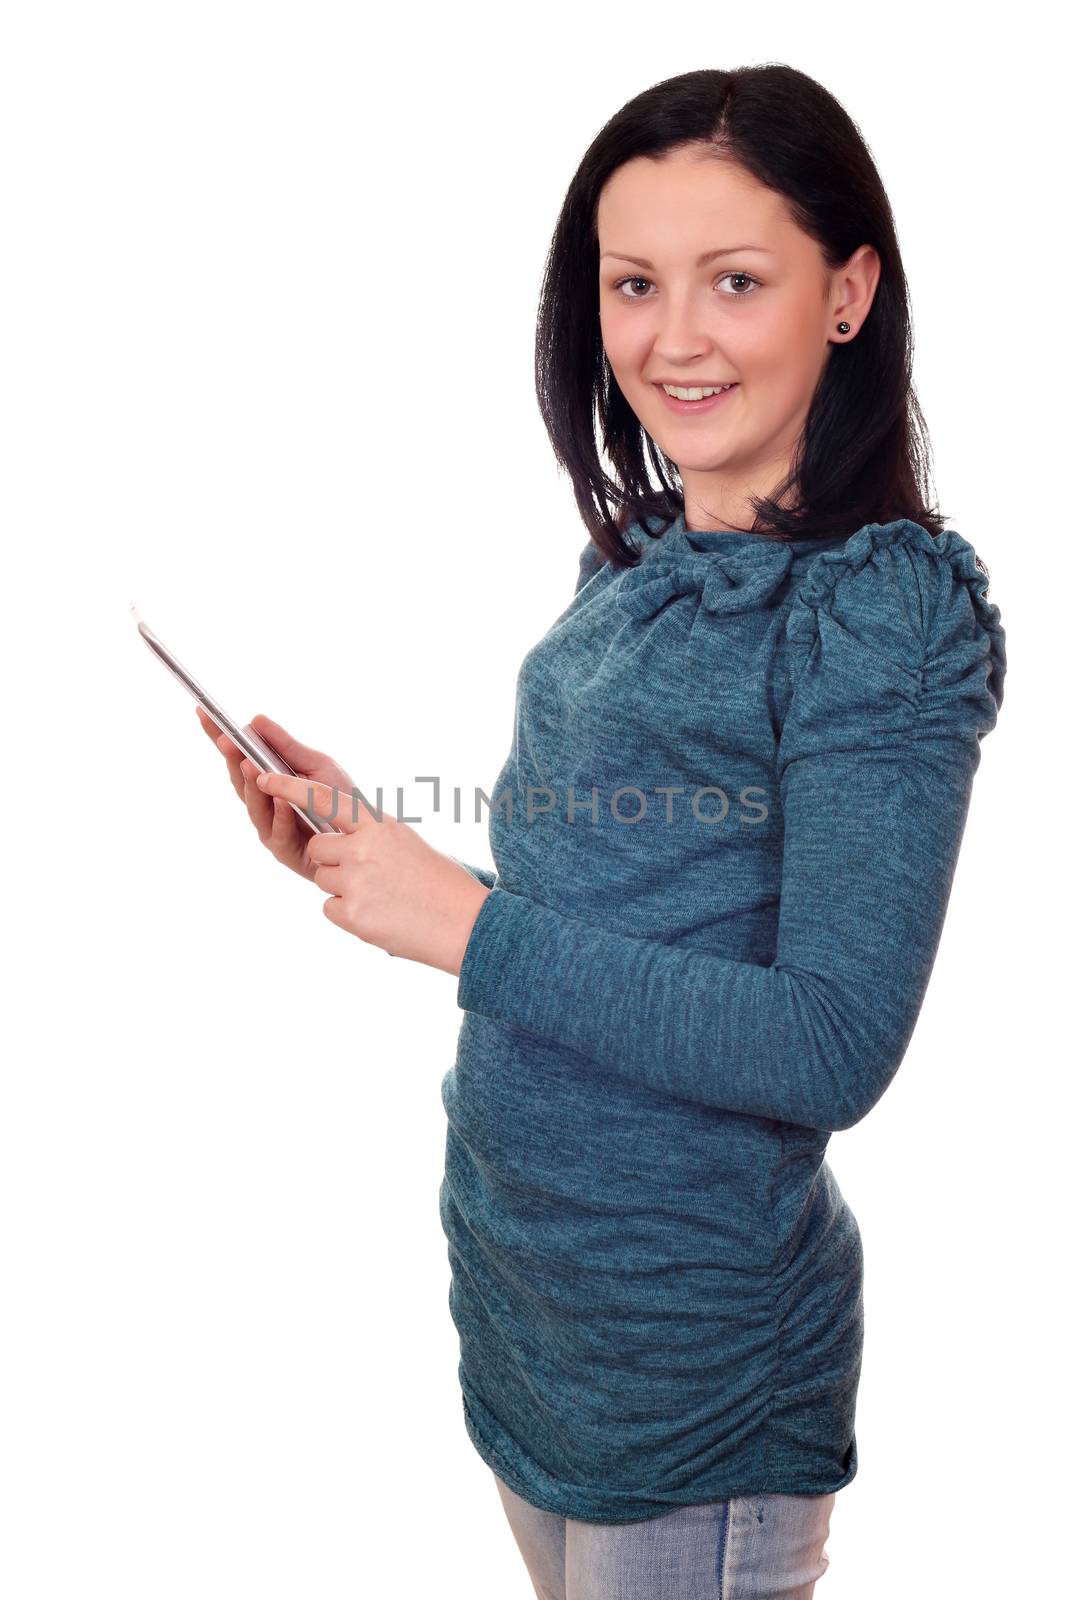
pixel 863 453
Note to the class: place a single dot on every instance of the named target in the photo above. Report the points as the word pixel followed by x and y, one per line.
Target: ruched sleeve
pixel 896 662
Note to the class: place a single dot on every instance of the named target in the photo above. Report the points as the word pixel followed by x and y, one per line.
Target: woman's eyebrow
pixel 709 255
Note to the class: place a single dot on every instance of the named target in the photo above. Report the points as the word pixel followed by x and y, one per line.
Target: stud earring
pixel 843 327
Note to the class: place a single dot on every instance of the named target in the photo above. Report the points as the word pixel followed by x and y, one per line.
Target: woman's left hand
pixel 387 885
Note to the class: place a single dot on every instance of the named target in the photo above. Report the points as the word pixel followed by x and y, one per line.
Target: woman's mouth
pixel 687 408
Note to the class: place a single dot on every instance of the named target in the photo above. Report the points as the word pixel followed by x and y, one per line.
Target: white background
pixel 228 1366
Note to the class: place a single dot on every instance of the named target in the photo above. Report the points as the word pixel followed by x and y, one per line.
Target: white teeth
pixel 695 394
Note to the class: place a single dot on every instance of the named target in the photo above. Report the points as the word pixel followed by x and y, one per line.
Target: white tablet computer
pixel 251 743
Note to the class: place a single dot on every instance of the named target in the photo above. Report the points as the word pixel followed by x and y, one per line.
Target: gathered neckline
pixel 701 540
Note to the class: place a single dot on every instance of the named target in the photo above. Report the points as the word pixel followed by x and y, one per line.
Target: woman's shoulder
pixel 894 627
pixel 900 584
pixel 592 558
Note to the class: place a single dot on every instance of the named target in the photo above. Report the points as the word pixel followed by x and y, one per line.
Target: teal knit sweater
pixel 725 838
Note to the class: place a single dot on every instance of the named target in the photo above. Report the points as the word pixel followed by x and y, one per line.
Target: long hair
pixel 864 449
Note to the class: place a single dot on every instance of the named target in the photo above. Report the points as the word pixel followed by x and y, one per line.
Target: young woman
pixel 725 839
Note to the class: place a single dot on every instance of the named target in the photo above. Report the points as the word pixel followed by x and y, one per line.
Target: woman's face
pixel 762 314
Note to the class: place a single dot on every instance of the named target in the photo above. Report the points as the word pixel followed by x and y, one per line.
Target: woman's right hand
pixel 285 834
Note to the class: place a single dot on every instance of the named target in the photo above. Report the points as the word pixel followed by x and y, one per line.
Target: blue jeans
pixel 740 1549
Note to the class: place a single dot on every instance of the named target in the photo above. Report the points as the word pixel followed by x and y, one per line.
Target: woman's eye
pixel 735 294
pixel 632 280
pixel 748 279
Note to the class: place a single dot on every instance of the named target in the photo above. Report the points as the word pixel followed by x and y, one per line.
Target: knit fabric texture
pixel 725 838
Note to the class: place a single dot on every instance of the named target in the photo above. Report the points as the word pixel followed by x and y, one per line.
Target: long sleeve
pixel 896 660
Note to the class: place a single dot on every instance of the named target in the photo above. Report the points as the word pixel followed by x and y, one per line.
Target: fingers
pixel 330 880
pixel 242 771
pixel 322 800
pixel 287 831
pixel 233 765
pixel 236 778
pixel 260 806
pixel 273 817
pixel 229 751
pixel 275 821
pixel 216 735
pixel 298 755
pixel 325 849
pixel 206 723
pixel 303 758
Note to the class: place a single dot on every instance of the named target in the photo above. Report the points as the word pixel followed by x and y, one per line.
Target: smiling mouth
pixel 700 388
pixel 696 407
